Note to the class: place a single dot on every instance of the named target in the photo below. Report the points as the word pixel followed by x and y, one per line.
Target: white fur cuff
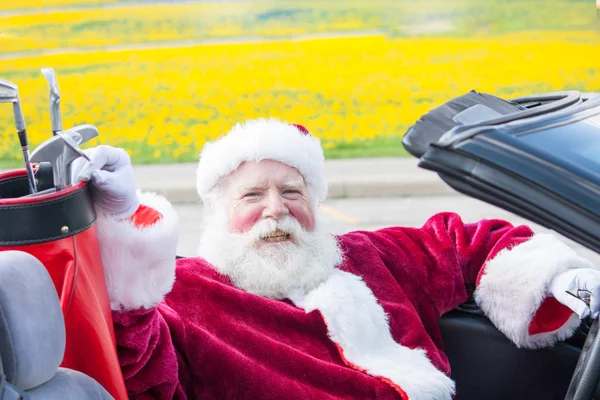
pixel 516 282
pixel 139 263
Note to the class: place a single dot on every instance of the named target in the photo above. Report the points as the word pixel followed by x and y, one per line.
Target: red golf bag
pixel 59 229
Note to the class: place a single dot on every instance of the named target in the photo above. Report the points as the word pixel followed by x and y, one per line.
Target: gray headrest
pixel 32 328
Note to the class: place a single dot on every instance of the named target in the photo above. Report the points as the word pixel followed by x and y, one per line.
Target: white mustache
pixel 270 227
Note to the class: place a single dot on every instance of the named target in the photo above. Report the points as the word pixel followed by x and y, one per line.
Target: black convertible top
pixel 471 108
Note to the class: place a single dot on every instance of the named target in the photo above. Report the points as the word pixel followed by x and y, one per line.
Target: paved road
pixel 343 215
pixel 100 4
pixel 205 41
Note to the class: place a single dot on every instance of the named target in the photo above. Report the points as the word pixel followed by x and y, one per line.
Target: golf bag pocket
pixel 59 230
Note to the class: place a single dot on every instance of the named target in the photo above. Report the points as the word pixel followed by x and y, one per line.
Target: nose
pixel 275 207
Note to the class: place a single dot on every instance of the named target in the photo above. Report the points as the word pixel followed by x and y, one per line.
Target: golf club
pixel 53 151
pixel 55 115
pixel 72 144
pixel 43 192
pixel 9 93
pixel 70 153
pixel 86 132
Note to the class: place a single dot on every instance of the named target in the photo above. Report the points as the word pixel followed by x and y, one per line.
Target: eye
pixel 292 192
pixel 251 195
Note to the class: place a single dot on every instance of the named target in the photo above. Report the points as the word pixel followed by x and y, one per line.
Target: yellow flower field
pixel 73 28
pixel 169 92
pixel 163 104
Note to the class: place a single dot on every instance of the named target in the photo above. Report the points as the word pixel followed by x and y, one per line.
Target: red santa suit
pixel 368 331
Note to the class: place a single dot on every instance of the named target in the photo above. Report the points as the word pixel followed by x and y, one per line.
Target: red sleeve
pixel 147 354
pixel 445 255
pixel 449 261
pixel 146 340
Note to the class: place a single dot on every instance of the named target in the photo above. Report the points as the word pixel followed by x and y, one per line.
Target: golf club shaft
pixel 43 192
pixel 25 148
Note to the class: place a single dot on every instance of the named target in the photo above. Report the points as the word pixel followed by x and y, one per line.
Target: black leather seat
pixel 486 365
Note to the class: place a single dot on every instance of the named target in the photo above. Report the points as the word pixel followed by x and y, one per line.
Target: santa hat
pixel 263 139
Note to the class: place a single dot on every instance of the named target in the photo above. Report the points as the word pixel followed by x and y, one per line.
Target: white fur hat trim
pixel 262 139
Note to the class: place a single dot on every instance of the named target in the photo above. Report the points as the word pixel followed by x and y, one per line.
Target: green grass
pixel 11 164
pixel 381 146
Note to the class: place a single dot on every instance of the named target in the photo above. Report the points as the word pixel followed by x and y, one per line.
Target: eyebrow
pixel 252 188
pixel 296 184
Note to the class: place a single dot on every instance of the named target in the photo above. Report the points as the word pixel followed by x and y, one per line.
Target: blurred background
pixel 161 77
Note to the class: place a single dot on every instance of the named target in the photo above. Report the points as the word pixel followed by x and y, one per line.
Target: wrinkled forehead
pixel 256 174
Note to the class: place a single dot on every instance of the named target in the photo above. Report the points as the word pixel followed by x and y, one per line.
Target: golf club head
pixel 72 144
pixel 86 131
pixel 50 151
pixel 53 147
pixel 55 116
pixel 80 134
pixel 9 93
pixel 71 152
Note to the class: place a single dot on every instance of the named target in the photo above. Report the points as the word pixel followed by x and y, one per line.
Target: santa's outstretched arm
pixel 138 236
pixel 515 290
pixel 517 277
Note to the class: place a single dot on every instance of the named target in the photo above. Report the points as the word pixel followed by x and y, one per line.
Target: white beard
pixel 273 270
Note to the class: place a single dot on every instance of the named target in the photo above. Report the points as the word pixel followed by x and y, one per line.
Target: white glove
pixel 578 279
pixel 112 179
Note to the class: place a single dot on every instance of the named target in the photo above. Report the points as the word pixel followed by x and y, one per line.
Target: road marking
pixel 338 215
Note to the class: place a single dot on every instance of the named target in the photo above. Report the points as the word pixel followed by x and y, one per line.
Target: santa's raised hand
pixel 111 175
pixel 578 289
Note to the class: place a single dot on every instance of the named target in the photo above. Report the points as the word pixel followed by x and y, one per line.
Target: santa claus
pixel 274 307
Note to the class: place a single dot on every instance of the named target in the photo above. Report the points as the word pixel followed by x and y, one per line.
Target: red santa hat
pixel 263 139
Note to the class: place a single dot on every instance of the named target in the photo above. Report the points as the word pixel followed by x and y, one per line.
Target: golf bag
pixel 59 230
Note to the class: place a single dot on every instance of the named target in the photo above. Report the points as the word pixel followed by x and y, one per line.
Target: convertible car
pixel 538 157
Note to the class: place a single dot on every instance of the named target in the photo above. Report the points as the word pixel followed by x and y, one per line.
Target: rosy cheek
pixel 243 220
pixel 303 215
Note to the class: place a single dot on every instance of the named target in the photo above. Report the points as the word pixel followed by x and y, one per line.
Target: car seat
pixel 32 336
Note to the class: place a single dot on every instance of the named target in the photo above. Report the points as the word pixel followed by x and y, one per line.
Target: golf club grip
pixel 30 174
pixel 23 139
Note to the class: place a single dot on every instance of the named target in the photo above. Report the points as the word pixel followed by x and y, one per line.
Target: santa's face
pixel 267 190
pixel 264 235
